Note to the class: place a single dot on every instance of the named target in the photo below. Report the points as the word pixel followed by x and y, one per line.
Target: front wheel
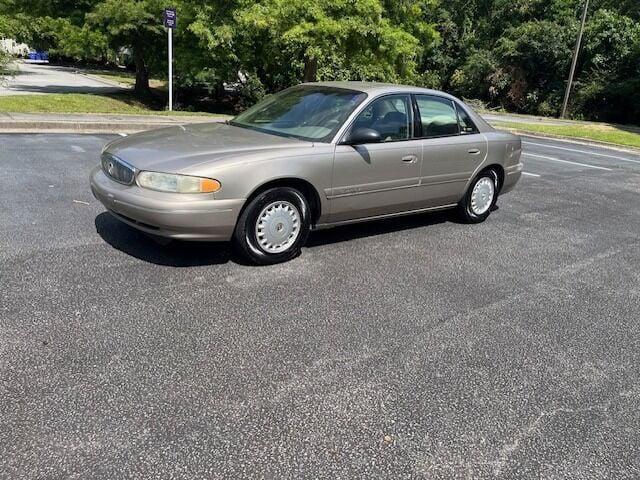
pixel 480 198
pixel 274 226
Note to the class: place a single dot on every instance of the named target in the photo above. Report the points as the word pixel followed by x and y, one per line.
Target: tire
pixel 474 208
pixel 273 227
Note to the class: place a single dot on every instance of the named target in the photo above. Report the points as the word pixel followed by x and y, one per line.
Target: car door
pixel 452 149
pixel 378 178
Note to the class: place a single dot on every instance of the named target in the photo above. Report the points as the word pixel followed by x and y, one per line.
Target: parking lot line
pixel 582 151
pixel 531 174
pixel 553 159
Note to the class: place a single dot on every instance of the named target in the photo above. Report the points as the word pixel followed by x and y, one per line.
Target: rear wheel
pixel 480 198
pixel 273 227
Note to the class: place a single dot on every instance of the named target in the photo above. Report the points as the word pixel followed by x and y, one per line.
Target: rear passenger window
pixel 466 124
pixel 438 116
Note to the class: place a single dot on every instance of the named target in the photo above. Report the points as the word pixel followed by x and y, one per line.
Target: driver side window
pixel 389 116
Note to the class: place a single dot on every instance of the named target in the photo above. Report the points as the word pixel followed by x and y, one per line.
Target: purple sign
pixel 170 18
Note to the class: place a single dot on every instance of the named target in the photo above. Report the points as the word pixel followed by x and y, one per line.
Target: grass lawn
pixel 615 134
pixel 117 103
pixel 126 78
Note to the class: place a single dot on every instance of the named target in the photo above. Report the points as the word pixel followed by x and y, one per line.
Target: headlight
pixel 166 182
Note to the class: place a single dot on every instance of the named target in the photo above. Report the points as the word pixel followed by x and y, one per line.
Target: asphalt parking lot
pixel 411 348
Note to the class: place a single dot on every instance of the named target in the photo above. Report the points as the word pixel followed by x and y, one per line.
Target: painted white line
pixel 553 159
pixel 582 151
pixel 583 143
pixel 531 174
pixel 77 148
pixel 122 134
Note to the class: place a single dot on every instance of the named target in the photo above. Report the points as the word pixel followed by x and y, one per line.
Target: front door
pixel 378 178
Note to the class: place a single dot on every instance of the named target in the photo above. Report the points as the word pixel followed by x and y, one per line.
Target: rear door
pixel 378 178
pixel 452 150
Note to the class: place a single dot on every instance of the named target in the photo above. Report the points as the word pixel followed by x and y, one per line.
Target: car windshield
pixel 305 112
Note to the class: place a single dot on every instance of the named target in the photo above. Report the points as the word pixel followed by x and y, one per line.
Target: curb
pixel 90 127
pixel 573 140
pixel 115 127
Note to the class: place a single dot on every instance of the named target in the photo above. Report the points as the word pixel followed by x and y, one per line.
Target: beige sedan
pixel 312 156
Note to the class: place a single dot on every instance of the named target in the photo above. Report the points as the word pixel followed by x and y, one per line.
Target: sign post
pixel 170 20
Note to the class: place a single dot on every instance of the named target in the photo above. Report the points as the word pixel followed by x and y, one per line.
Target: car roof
pixel 377 88
pixel 373 89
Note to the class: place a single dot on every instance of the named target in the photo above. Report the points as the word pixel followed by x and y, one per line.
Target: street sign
pixel 170 21
pixel 170 18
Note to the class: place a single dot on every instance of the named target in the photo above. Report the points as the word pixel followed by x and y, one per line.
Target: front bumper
pixel 179 216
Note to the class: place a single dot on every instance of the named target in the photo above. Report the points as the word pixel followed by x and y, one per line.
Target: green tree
pixel 133 24
pixel 608 85
pixel 512 53
pixel 535 57
pixel 282 42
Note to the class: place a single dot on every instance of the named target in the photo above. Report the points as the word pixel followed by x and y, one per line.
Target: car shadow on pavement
pixel 189 254
pixel 377 227
pixel 175 254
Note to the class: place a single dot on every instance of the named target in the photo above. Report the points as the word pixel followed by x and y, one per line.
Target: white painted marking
pixel 553 159
pixel 77 148
pixel 122 134
pixel 583 151
pixel 531 174
pixel 81 202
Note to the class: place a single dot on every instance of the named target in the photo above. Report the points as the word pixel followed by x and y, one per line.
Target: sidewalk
pixel 39 79
pixel 92 123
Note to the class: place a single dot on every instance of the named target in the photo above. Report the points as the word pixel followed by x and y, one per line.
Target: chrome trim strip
pixel 379 190
pixel 413 185
pixel 322 226
pixel 442 182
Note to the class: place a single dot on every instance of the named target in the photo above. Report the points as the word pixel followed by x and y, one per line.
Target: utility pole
pixel 567 93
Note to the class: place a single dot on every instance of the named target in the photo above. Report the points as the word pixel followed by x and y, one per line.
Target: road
pixel 411 348
pixel 38 79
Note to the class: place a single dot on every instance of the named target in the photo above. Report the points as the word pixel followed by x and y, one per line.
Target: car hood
pixel 174 149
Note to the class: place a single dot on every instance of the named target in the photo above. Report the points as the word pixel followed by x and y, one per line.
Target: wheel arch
pixel 304 186
pixel 499 169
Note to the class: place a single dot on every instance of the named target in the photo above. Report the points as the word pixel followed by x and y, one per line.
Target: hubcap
pixel 482 195
pixel 278 227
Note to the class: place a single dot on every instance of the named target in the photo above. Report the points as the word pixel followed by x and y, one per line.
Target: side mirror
pixel 363 135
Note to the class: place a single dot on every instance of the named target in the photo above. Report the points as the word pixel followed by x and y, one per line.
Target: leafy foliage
pixel 516 54
pixel 281 42
pixel 513 54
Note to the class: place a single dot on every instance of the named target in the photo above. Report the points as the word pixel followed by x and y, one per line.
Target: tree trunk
pixel 142 73
pixel 310 69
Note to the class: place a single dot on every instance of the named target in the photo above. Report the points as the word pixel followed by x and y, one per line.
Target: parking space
pixel 583 157
pixel 413 348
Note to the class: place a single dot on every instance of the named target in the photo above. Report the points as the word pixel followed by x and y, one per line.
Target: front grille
pixel 117 169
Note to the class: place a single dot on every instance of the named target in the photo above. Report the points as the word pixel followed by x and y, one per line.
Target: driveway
pixel 408 348
pixel 38 79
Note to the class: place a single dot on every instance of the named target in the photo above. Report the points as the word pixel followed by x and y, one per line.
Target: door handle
pixel 474 151
pixel 410 158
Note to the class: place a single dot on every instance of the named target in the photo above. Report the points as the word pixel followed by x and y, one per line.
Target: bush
pixel 250 91
pixel 616 102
